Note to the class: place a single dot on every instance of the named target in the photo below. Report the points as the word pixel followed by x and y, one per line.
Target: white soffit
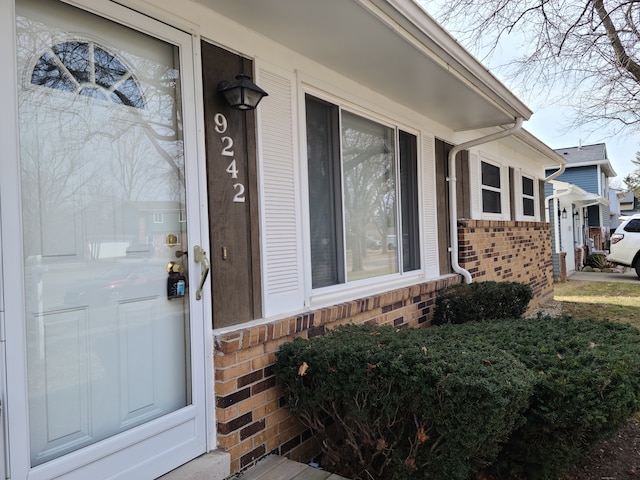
pixel 389 46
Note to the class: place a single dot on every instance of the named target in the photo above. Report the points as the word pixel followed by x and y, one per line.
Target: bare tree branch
pixel 583 54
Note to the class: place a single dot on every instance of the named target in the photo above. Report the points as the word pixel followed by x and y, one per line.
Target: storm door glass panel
pixel 370 210
pixel 101 161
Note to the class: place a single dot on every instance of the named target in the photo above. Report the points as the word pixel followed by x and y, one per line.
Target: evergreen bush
pixel 390 404
pixel 588 385
pixel 481 301
pixel 528 396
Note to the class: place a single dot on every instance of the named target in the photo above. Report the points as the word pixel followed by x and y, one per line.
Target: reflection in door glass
pixel 101 158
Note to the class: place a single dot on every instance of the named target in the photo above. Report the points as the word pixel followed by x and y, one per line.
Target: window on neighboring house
pixel 491 195
pixel 363 196
pixel 158 218
pixel 528 197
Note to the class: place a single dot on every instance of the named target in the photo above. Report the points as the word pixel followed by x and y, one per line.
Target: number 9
pixel 221 123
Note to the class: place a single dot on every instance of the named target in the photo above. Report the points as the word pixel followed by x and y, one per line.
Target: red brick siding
pixel 250 416
pixel 508 251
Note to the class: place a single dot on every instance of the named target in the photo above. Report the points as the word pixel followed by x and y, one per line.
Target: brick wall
pixel 509 251
pixel 251 419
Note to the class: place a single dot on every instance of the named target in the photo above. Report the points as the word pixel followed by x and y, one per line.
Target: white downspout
pixel 453 206
pixel 555 174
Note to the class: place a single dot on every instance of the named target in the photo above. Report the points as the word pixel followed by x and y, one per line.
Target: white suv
pixel 625 244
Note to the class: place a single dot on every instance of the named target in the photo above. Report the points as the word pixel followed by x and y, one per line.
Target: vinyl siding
pixel 583 177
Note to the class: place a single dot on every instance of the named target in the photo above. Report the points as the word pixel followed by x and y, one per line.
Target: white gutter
pixel 453 206
pixel 555 174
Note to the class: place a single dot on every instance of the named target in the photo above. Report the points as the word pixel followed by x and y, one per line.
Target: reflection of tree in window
pixel 369 180
pixel 87 69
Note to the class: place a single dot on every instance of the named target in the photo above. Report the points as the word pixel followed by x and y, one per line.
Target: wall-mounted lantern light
pixel 576 213
pixel 564 213
pixel 242 94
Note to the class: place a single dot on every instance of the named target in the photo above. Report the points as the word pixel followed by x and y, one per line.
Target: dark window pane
pixel 324 193
pixel 491 201
pixel 527 186
pixel 528 207
pixel 47 74
pixel 490 175
pixel 409 202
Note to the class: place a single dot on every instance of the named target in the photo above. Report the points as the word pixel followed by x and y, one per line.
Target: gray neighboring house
pixel 628 204
pixel 616 197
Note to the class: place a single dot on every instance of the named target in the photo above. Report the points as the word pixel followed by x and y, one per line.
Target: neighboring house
pixel 615 201
pixel 628 204
pixel 384 165
pixel 570 239
pixel 589 168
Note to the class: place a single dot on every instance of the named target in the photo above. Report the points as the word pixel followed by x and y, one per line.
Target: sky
pixel 550 123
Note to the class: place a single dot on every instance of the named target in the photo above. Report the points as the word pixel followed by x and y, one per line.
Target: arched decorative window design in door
pixel 87 69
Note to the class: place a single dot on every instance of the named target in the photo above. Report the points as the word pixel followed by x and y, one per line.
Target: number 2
pixel 239 196
pixel 227 149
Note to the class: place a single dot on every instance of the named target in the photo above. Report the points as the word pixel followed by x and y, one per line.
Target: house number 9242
pixel 227 151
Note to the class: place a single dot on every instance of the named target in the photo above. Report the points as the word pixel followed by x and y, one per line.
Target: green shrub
pixel 529 396
pixel 587 387
pixel 392 404
pixel 598 260
pixel 481 301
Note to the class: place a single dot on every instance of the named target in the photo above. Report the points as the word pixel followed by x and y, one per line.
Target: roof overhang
pixel 547 157
pixel 577 195
pixel 392 47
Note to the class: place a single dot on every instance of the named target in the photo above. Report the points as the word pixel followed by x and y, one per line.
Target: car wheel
pixel 637 266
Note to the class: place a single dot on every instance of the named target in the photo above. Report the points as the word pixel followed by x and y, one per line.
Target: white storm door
pixel 113 330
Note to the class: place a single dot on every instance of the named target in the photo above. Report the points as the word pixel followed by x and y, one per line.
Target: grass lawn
pixel 600 300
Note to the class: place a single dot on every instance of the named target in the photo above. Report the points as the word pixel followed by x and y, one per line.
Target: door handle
pixel 200 256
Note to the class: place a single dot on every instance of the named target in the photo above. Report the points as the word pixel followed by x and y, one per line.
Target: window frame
pixel 348 288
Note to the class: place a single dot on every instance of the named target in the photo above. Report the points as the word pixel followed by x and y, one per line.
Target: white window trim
pixel 503 190
pixel 520 196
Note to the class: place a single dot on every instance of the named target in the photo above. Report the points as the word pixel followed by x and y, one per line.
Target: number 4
pixel 232 169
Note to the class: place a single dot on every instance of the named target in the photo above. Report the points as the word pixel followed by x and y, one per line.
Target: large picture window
pixel 362 196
